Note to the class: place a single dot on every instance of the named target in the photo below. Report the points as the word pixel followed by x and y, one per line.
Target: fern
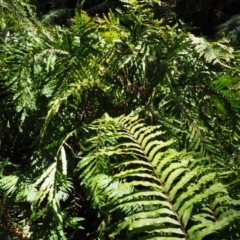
pixel 54 15
pixel 215 52
pixel 159 192
pixel 230 29
pixel 136 181
pixel 44 196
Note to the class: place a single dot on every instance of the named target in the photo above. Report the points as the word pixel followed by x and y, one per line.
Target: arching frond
pixel 54 15
pixel 159 193
pixel 215 52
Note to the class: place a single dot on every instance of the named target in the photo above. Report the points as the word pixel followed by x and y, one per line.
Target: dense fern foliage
pixel 150 190
pixel 74 164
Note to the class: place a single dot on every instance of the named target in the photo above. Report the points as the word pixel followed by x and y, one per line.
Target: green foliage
pixel 137 180
pixel 230 29
pixel 212 52
pixel 150 190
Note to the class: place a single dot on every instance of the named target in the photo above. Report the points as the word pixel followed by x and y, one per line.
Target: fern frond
pixel 159 190
pixel 215 52
pixel 230 29
pixel 53 15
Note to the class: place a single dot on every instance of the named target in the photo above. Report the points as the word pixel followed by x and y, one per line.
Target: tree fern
pixel 159 192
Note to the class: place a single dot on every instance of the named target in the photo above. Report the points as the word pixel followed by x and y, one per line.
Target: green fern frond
pixel 53 15
pixel 158 189
pixel 215 52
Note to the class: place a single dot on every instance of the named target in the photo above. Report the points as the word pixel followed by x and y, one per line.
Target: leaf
pixel 64 161
pixel 219 224
pixel 186 216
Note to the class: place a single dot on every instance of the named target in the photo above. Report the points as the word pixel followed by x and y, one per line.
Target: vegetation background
pixel 120 119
